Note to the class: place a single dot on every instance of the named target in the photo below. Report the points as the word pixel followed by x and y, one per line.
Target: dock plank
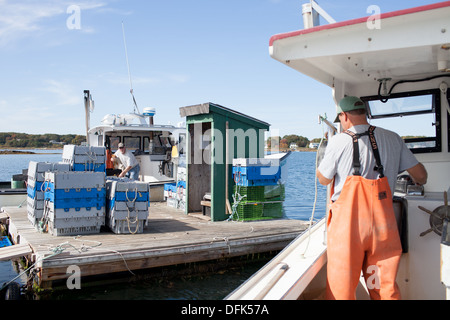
pixel 3 217
pixel 14 252
pixel 171 237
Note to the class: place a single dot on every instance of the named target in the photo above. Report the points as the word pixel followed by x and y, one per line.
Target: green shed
pixel 215 136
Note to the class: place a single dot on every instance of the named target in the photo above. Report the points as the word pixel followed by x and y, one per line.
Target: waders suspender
pixel 376 153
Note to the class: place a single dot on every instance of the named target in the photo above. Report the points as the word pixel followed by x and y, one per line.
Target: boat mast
pixel 129 73
pixel 88 108
pixel 311 12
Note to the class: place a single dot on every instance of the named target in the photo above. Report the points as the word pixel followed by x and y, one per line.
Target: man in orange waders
pixel 362 233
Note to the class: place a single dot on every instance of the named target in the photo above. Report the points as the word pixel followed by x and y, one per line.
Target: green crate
pixel 249 211
pixel 273 210
pixel 274 193
pixel 253 194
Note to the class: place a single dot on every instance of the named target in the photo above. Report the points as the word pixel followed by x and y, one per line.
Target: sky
pixel 180 53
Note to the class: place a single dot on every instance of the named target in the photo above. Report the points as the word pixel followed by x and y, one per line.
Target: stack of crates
pixel 74 202
pixel 35 187
pixel 127 205
pixel 85 158
pixel 175 192
pixel 181 186
pixel 170 194
pixel 181 194
pixel 258 191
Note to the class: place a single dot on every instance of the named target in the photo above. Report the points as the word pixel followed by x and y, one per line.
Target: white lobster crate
pixel 76 179
pixel 73 231
pixel 85 158
pixel 36 170
pixel 129 214
pixel 64 213
pixel 126 187
pixel 82 154
pixel 127 205
pixel 126 226
pixel 34 216
pixel 77 222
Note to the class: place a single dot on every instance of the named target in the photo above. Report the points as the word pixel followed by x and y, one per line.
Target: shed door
pixel 199 171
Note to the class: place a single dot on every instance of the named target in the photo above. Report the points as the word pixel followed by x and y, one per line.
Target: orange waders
pixel 363 235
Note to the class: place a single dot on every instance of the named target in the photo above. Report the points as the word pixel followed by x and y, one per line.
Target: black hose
pixel 386 98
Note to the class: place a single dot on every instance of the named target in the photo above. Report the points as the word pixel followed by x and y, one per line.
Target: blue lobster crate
pixel 181 184
pixel 256 175
pixel 170 187
pixel 35 192
pixel 258 172
pixel 73 193
pixel 132 195
pixel 95 167
pixel 78 203
pixel 243 181
pixel 5 242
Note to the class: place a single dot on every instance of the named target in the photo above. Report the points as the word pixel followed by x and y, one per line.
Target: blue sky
pixel 181 52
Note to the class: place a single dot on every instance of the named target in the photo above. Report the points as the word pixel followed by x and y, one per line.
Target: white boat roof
pixel 108 128
pixel 129 122
pixel 408 44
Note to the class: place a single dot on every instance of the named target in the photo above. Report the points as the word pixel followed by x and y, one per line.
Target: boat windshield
pixel 402 106
pixel 412 115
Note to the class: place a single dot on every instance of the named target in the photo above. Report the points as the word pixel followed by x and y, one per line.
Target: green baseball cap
pixel 348 104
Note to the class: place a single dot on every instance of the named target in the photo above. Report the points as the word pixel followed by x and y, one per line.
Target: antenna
pixel 129 73
pixel 311 12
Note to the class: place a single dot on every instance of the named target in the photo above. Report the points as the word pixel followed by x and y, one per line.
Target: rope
pixel 57 250
pixel 226 242
pixel 135 195
pixel 237 198
pixel 315 195
pixel 136 220
pixel 85 248
pixel 61 248
pixel 92 159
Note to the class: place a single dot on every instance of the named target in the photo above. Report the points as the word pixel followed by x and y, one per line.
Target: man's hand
pixel 418 173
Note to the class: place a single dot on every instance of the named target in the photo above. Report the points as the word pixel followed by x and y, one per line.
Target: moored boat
pixel 398 63
pixel 151 144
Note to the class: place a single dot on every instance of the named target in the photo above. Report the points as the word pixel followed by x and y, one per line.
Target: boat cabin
pixel 151 144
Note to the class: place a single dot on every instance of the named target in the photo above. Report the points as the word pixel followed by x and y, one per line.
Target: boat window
pixel 155 145
pixel 132 143
pixel 182 143
pixel 114 143
pixel 158 147
pixel 412 115
pixel 402 106
pixel 146 144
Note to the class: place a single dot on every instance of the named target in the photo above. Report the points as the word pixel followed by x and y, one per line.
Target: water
pixel 300 188
pixel 298 204
pixel 14 163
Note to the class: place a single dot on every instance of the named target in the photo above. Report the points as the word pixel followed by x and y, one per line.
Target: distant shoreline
pixel 27 151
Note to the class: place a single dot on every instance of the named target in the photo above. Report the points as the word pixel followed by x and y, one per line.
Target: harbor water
pixel 300 186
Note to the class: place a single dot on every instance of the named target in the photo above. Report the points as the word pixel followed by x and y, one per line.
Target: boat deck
pixel 170 238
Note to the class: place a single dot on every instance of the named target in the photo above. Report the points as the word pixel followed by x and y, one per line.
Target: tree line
pixel 286 141
pixel 47 140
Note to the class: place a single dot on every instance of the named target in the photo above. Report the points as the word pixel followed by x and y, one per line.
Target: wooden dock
pixel 170 238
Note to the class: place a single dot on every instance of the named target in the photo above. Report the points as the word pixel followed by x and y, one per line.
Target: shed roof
pixel 209 107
